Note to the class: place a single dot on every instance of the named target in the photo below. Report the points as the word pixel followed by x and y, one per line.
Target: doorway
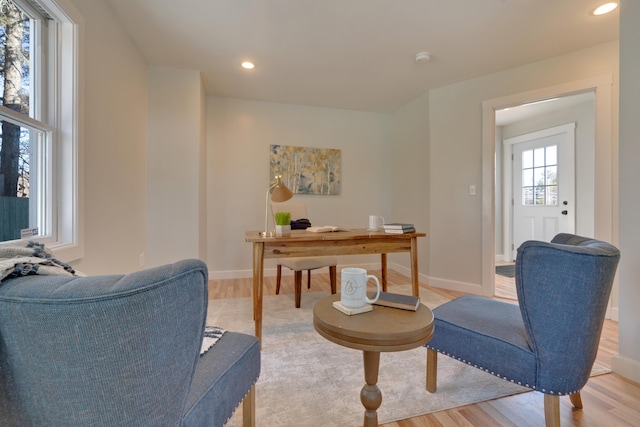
pixel 538 188
pixel 598 219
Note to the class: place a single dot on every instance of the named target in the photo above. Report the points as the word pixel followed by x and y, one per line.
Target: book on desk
pixel 399 228
pixel 397 225
pixel 326 229
pixel 403 231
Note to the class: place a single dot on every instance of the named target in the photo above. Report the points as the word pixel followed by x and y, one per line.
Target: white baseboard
pixel 452 285
pixel 423 278
pixel 269 272
pixel 626 367
pixel 229 274
pixel 472 288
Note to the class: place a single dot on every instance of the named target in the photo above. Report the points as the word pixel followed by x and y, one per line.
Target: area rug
pixel 307 380
pixel 506 270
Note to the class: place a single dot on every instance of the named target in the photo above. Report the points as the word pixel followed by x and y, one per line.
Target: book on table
pixel 326 229
pixel 404 302
pixel 397 226
pixel 400 230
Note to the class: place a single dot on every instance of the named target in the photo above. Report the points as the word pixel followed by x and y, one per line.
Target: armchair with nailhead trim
pixel 549 340
pixel 120 350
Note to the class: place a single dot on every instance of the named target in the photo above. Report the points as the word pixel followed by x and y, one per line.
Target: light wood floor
pixel 609 400
pixel 505 286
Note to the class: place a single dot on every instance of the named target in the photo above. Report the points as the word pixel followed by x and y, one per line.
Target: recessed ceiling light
pixel 605 8
pixel 247 65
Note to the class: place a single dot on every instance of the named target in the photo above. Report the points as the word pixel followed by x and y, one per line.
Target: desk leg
pixel 370 395
pixel 414 266
pixel 383 264
pixel 258 279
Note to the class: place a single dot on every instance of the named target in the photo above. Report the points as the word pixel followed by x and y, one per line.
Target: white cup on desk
pixel 353 287
pixel 375 222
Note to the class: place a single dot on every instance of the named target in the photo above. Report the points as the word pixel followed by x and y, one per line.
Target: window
pixel 540 176
pixel 39 132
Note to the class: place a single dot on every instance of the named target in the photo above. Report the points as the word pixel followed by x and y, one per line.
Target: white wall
pixel 175 174
pixel 455 115
pixel 239 135
pixel 115 93
pixel 408 154
pixel 627 363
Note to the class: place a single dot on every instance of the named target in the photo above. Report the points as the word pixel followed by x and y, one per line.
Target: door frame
pixel 606 186
pixel 507 179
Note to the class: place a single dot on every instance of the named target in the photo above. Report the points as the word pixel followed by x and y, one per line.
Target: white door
pixel 543 185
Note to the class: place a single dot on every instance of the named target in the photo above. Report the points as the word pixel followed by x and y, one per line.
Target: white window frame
pixel 61 109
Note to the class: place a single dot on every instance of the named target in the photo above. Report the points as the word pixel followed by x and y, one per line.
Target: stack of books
pixel 399 228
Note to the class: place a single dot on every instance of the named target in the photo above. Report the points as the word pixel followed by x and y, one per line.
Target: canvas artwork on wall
pixel 307 170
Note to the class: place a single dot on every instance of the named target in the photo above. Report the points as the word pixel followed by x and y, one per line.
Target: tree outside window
pixel 16 140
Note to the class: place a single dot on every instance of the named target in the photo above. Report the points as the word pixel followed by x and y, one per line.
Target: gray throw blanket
pixel 30 258
pixel 211 336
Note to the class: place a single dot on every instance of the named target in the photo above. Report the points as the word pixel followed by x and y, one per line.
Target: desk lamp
pixel 280 194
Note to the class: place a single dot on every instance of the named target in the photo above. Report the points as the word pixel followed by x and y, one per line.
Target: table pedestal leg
pixel 370 395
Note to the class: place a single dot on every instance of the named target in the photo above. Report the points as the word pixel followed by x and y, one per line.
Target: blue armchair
pixel 548 342
pixel 120 351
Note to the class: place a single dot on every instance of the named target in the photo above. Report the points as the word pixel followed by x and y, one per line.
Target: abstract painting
pixel 307 170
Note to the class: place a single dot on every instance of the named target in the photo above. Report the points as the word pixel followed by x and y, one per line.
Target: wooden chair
pixel 298 265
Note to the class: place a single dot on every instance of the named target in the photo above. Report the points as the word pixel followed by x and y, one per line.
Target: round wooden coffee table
pixel 382 329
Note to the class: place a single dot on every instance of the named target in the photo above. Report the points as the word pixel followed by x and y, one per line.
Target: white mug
pixel 353 287
pixel 375 222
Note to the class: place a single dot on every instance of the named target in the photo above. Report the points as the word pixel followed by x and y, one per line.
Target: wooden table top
pixel 299 235
pixel 382 329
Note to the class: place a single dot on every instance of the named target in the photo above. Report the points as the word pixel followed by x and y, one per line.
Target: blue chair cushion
pixel 223 376
pixel 487 332
pixel 118 351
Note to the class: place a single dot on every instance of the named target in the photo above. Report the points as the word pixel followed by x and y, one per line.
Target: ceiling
pixel 354 54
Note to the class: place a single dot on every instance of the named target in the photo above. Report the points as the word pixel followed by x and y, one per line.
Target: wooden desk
pixel 383 329
pixel 303 243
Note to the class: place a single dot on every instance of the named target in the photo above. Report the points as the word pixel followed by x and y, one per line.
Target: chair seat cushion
pixel 224 375
pixel 308 263
pixel 485 333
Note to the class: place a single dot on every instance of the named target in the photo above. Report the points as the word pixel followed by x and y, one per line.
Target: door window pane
pixel 539 195
pixel 538 157
pixel 527 196
pixel 552 195
pixel 551 175
pixel 551 155
pixel 540 176
pixel 527 159
pixel 527 178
